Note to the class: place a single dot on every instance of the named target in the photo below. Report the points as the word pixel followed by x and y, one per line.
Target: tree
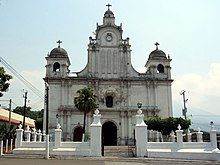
pixel 39 123
pixel 165 126
pixel 85 102
pixel 7 131
pixel 31 114
pixel 4 78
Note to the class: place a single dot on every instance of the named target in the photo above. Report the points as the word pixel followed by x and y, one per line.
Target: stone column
pixel 172 136
pixel 68 125
pixel 96 135
pixel 58 133
pixel 44 136
pixel 129 125
pixel 122 128
pixel 179 135
pixel 39 135
pixel 189 136
pixel 28 134
pixel 34 136
pixel 141 135
pixel 1 148
pixel 19 136
pixel 213 138
pixel 199 136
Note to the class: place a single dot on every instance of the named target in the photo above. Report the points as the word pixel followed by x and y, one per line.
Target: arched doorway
pixel 109 134
pixel 77 134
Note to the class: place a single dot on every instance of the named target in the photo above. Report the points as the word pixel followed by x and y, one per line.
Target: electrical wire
pixel 22 79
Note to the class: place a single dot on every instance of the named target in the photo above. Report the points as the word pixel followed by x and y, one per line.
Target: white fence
pixel 6 147
pixel 35 142
pixel 176 148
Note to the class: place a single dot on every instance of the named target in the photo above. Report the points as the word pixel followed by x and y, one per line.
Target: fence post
pixel 34 135
pixel 179 135
pixel 199 135
pixel 44 136
pixel 189 136
pixel 172 136
pixel 141 135
pixel 213 137
pixel 96 135
pixel 19 136
pixel 1 151
pixel 58 132
pixel 6 146
pixel 39 135
pixel 28 133
pixel 11 143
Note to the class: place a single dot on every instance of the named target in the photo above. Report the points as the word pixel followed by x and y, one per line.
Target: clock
pixel 109 37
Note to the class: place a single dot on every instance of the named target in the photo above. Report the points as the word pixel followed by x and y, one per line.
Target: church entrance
pixel 77 134
pixel 109 134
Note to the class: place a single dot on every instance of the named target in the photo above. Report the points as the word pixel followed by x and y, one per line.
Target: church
pixel 117 85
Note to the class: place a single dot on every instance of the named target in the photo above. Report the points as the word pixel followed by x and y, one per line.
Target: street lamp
pixel 57 116
pixel 139 104
pixel 212 125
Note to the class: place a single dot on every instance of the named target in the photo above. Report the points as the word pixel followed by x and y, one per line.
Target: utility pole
pixel 184 110
pixel 47 154
pixel 25 106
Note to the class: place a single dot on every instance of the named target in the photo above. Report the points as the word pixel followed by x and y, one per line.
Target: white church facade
pixel 117 85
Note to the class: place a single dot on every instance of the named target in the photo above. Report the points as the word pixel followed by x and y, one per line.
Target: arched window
pixel 56 67
pixel 109 101
pixel 160 68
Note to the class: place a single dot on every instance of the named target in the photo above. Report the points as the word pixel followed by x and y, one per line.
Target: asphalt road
pixel 97 161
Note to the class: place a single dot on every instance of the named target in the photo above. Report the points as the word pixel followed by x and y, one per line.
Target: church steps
pixel 118 151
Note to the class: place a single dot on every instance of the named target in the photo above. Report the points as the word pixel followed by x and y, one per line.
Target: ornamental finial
pixel 156 45
pixel 108 5
pixel 59 42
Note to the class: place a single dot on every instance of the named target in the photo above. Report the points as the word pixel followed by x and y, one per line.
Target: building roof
pixel 58 52
pixel 157 55
pixel 15 118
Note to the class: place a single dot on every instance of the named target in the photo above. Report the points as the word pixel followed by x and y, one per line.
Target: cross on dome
pixel 108 5
pixel 59 42
pixel 156 45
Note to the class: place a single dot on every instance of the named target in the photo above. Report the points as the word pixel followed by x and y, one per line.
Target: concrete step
pixel 118 151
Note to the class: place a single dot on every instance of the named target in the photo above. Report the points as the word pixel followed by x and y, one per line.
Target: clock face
pixel 109 37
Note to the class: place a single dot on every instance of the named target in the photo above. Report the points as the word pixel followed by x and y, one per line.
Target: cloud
pixel 203 91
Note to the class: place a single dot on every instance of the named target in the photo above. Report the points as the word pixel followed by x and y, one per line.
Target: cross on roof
pixel 156 45
pixel 108 6
pixel 59 42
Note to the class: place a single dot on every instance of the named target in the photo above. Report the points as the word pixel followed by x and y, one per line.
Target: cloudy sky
pixel 187 30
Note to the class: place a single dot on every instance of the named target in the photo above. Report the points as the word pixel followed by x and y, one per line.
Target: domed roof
pixel 58 52
pixel 157 54
pixel 109 12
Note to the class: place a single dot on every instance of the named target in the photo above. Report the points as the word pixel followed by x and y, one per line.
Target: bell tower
pixel 158 64
pixel 57 63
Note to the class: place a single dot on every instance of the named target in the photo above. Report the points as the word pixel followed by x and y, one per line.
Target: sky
pixel 187 30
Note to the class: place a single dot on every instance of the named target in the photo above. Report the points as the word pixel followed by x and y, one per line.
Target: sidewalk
pixel 154 161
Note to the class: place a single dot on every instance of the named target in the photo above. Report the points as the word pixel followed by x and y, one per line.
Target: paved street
pixel 99 161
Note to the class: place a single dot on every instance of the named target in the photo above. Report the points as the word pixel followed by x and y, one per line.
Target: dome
pixel 58 52
pixel 109 13
pixel 157 55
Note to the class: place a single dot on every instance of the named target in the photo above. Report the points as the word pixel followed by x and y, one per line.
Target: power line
pixel 22 79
